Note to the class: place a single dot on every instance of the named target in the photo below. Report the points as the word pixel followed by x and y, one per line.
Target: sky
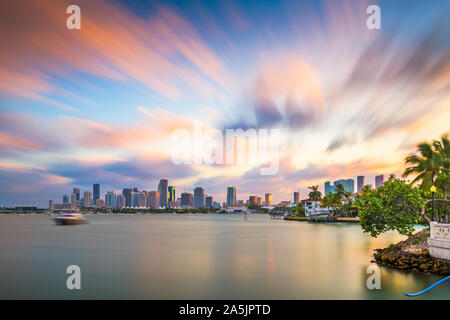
pixel 101 104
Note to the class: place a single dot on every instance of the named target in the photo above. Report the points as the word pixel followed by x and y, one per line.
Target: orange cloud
pixel 163 52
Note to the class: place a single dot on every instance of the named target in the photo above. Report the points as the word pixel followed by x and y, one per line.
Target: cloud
pixel 113 43
pixel 285 91
pixel 338 142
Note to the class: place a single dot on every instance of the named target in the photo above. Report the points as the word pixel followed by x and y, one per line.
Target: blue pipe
pixel 430 287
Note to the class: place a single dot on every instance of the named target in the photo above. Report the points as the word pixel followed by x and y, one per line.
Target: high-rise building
pixel 66 199
pixel 77 193
pixel 120 201
pixel 231 195
pixel 87 200
pixel 209 202
pixel 142 200
pixel 153 200
pixel 73 199
pixel 296 198
pixel 172 194
pixel 99 203
pixel 253 200
pixel 268 199
pixel 138 199
pixel 328 188
pixel 259 201
pixel 360 181
pixel 199 197
pixel 163 193
pixel 51 206
pixel 110 199
pixel 348 184
pixel 96 191
pixel 186 200
pixel 127 194
pixel 379 180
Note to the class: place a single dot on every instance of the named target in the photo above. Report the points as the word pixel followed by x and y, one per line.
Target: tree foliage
pixel 428 161
pixel 315 194
pixel 394 206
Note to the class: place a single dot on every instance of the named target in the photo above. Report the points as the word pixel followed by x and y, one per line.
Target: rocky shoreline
pixel 412 254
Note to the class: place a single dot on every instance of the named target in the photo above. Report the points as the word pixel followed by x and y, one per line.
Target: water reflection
pixel 197 257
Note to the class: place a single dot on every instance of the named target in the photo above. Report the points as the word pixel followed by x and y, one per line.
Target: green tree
pixel 341 193
pixel 442 147
pixel 315 194
pixel 333 201
pixel 299 210
pixel 443 182
pixel 431 158
pixel 394 206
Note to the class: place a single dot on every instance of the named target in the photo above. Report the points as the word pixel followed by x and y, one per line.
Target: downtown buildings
pixel 163 193
pixel 379 180
pixel 349 184
pixel 360 182
pixel 296 197
pixel 199 197
pixel 231 196
pixel 268 199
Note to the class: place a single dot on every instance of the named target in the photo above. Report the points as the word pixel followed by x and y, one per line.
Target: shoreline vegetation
pixel 412 255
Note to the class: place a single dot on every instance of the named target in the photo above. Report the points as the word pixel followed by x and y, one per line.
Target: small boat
pixel 69 219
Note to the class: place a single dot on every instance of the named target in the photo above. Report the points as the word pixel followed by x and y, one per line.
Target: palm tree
pixel 442 147
pixel 315 194
pixel 426 165
pixel 341 193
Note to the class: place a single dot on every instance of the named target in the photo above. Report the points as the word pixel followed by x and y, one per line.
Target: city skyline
pixel 101 106
pixel 198 198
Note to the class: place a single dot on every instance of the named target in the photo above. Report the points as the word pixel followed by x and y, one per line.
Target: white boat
pixel 69 219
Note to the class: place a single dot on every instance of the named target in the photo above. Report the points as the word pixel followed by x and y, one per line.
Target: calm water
pixel 196 257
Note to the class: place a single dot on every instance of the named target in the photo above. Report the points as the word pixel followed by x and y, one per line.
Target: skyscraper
pixel 348 184
pixel 66 199
pixel 296 198
pixel 110 199
pixel 172 194
pixel 51 206
pixel 186 200
pixel 127 194
pixel 87 202
pixel 379 180
pixel 328 188
pixel 268 199
pixel 209 203
pixel 77 193
pixel 99 203
pixel 259 201
pixel 120 201
pixel 163 193
pixel 153 199
pixel 138 199
pixel 96 191
pixel 360 182
pixel 231 196
pixel 253 200
pixel 199 197
pixel 142 200
pixel 73 199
